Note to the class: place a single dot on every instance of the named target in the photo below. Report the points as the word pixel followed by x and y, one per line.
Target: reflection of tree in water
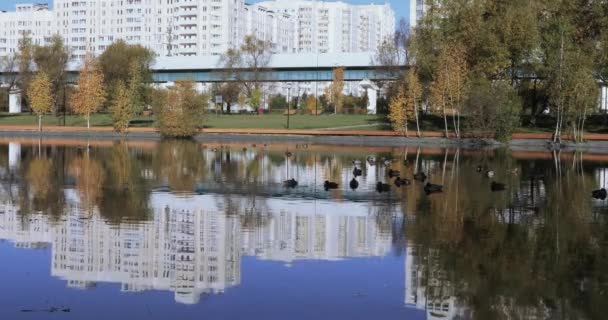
pixel 126 193
pixel 89 176
pixel 511 262
pixel 38 191
pixel 179 164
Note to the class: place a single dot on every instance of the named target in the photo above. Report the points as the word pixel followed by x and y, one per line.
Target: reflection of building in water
pixel 191 246
pixel 184 249
pixel 427 287
pixel 301 233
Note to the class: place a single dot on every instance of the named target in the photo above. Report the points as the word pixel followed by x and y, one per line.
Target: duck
pixel 383 187
pixel 479 168
pixel 490 174
pixel 393 173
pixel 291 183
pixel 288 154
pixel 371 160
pixel 356 162
pixel 357 172
pixel 401 182
pixel 387 162
pixel 420 176
pixel 244 149
pixel 600 194
pixel 330 185
pixel 497 186
pixel 432 188
pixel 354 184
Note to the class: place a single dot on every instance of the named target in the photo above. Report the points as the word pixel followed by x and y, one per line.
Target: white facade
pixel 417 10
pixel 199 27
pixel 32 20
pixel 276 28
pixel 336 26
pixel 176 27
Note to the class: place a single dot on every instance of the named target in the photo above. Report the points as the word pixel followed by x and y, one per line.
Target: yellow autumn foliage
pixel 90 94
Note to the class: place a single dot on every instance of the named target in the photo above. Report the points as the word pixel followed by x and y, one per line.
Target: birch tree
pixel 90 94
pixel 40 95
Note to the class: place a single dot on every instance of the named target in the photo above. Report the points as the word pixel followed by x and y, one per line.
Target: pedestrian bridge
pixel 281 68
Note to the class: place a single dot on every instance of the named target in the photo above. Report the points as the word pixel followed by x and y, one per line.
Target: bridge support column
pixel 14 101
pixel 372 95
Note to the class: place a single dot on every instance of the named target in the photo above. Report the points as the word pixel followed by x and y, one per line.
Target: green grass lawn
pixel 240 121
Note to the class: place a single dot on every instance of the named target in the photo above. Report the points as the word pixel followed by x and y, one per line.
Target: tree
pixel 40 95
pixel 8 66
pixel 413 96
pixel 277 102
pixel 182 112
pixel 581 94
pixel 136 89
pixel 256 55
pixel 53 59
pixel 246 64
pixel 311 104
pixel 121 108
pixel 118 62
pixel 398 112
pixel 90 94
pixel 25 59
pixel 335 91
pixel 493 108
pixel 448 89
pixel 255 101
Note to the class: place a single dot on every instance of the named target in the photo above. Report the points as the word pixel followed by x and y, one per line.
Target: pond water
pixel 185 230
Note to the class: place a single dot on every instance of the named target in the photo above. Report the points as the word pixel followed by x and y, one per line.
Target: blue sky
pixel 401 7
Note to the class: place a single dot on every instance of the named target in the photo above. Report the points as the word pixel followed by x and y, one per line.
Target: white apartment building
pixel 417 10
pixel 32 20
pixel 200 27
pixel 324 27
pixel 169 27
pixel 276 28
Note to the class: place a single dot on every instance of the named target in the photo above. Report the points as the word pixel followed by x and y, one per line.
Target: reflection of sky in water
pixel 224 239
pixel 269 290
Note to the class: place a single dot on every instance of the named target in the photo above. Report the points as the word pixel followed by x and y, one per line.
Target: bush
pixel 277 102
pixel 493 108
pixel 181 114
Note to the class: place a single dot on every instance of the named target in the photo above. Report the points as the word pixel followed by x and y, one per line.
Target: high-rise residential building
pixel 417 10
pixel 336 26
pixel 199 27
pixel 32 20
pixel 174 27
pixel 277 28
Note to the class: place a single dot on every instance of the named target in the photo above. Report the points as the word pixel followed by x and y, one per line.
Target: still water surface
pixel 185 230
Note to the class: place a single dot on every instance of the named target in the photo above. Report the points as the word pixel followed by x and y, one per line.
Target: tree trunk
pixel 445 122
pixel 40 123
pixel 88 122
pixel 417 123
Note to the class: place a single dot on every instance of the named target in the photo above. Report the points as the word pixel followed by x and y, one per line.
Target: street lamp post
pixel 288 104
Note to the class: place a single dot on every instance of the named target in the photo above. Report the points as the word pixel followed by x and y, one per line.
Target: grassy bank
pixel 267 121
pixel 595 123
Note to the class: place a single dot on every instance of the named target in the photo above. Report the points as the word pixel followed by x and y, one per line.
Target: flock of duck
pixel 397 180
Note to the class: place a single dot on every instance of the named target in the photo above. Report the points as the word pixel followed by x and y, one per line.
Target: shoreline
pixel 596 143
